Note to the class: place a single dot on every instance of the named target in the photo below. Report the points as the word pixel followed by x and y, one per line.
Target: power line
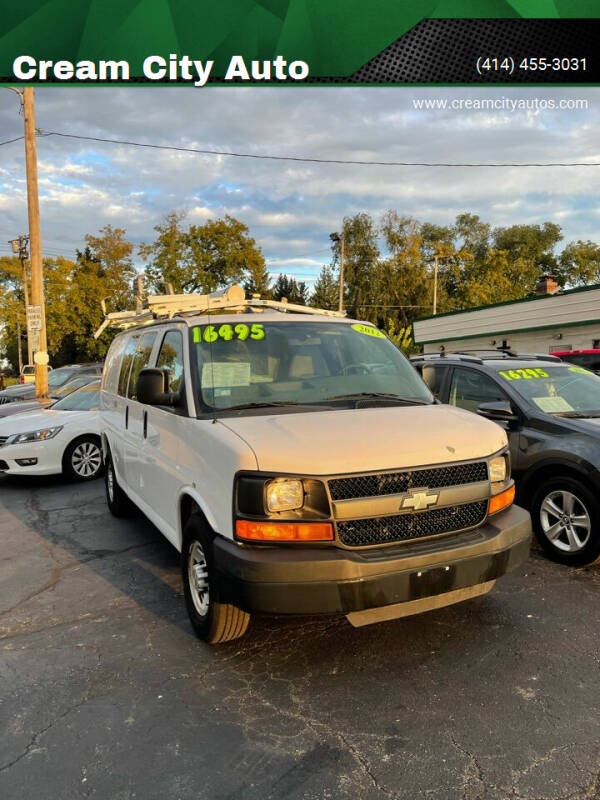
pixel 10 141
pixel 309 160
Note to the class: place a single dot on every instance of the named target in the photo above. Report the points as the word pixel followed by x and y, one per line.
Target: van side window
pixel 141 359
pixel 113 364
pixel 171 359
pixel 126 365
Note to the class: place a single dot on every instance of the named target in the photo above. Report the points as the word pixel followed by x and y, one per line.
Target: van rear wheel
pixel 213 621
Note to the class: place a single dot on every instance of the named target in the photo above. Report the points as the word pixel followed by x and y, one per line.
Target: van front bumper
pixel 330 580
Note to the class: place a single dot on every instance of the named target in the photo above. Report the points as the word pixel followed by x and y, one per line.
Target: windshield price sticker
pixel 580 370
pixel 519 374
pixel 228 333
pixel 368 330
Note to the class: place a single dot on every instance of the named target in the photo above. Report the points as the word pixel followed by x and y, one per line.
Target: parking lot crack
pixel 473 770
pixel 36 736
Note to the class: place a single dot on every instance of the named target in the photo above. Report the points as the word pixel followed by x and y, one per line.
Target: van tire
pixel 118 503
pixel 82 459
pixel 212 621
pixel 557 493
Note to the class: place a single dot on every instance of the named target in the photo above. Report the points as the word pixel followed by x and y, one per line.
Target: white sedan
pixel 63 438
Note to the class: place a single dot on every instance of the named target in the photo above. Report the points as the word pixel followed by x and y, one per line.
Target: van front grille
pixel 400 527
pixel 384 483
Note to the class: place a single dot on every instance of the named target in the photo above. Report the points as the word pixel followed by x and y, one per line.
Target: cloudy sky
pixel 291 208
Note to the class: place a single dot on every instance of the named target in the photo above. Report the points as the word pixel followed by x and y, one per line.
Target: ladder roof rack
pixel 167 306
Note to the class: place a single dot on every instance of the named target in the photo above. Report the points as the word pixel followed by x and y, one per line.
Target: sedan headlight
pixel 284 494
pixel 34 436
pixel 498 469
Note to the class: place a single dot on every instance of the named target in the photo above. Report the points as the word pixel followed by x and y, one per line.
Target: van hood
pixel 367 439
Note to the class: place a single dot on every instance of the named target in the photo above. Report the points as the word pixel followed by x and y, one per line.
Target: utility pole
pixel 35 239
pixel 19 346
pixel 339 238
pixel 19 247
pixel 435 279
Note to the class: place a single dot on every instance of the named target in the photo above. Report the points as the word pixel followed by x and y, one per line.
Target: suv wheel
pixel 212 620
pixel 82 460
pixel 566 520
pixel 118 503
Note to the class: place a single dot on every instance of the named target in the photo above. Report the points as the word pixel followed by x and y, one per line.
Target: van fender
pixel 193 494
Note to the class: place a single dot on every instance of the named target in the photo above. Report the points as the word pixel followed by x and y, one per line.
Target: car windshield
pixel 561 390
pixel 71 386
pixel 59 376
pixel 85 399
pixel 297 363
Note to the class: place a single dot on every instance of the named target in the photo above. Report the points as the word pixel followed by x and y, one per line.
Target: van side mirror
pixel 499 411
pixel 152 385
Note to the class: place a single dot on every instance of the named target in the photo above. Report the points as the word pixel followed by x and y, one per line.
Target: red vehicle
pixel 590 359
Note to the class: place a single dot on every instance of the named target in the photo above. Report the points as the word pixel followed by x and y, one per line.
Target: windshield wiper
pixel 376 396
pixel 576 415
pixel 266 404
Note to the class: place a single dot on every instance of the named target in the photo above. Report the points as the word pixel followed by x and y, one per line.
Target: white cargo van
pixel 300 466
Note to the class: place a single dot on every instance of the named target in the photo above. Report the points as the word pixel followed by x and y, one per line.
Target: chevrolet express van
pixel 300 465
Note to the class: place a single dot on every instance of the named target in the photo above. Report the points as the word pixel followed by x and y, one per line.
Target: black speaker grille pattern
pixel 446 51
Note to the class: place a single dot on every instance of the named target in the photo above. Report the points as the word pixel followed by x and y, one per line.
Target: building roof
pixel 579 306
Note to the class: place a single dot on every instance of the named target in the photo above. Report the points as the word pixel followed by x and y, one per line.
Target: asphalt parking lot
pixel 107 694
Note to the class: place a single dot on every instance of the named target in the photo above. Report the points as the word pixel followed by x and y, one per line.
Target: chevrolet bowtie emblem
pixel 418 499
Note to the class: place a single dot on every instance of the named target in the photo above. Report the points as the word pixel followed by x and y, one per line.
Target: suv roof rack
pixel 167 306
pixel 481 355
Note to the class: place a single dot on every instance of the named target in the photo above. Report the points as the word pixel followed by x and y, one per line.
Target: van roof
pixel 191 320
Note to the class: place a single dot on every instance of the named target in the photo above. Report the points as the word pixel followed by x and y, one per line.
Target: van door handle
pixel 145 424
pixel 126 417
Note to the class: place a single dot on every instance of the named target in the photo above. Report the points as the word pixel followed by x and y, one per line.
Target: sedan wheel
pixel 86 460
pixel 82 460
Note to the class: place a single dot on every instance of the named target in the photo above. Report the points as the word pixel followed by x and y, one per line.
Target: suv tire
pixel 566 521
pixel 82 459
pixel 118 503
pixel 214 622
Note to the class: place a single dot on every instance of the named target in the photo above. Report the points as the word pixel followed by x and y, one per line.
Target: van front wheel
pixel 212 620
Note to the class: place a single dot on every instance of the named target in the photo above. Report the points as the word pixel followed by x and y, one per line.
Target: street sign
pixel 34 318
pixel 34 341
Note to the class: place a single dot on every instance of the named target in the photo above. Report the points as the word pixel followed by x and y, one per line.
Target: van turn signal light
pixel 498 502
pixel 283 531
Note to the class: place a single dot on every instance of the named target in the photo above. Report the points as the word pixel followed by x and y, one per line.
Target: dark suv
pixel 58 377
pixel 551 412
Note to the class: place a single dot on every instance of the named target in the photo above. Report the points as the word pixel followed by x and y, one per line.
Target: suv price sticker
pixel 523 374
pixel 228 332
pixel 552 405
pixel 368 330
pixel 581 371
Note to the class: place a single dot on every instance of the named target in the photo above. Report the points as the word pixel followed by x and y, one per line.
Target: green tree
pixel 204 258
pixel 258 280
pixel 166 257
pixel 361 253
pixel 579 264
pixel 326 290
pixel 290 289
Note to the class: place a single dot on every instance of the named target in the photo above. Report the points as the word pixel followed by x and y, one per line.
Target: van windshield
pixel 300 363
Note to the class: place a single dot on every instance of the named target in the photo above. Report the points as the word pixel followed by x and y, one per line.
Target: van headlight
pixel 34 436
pixel 284 494
pixel 498 469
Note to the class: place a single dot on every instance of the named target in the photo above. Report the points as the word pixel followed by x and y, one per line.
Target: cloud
pixel 292 207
